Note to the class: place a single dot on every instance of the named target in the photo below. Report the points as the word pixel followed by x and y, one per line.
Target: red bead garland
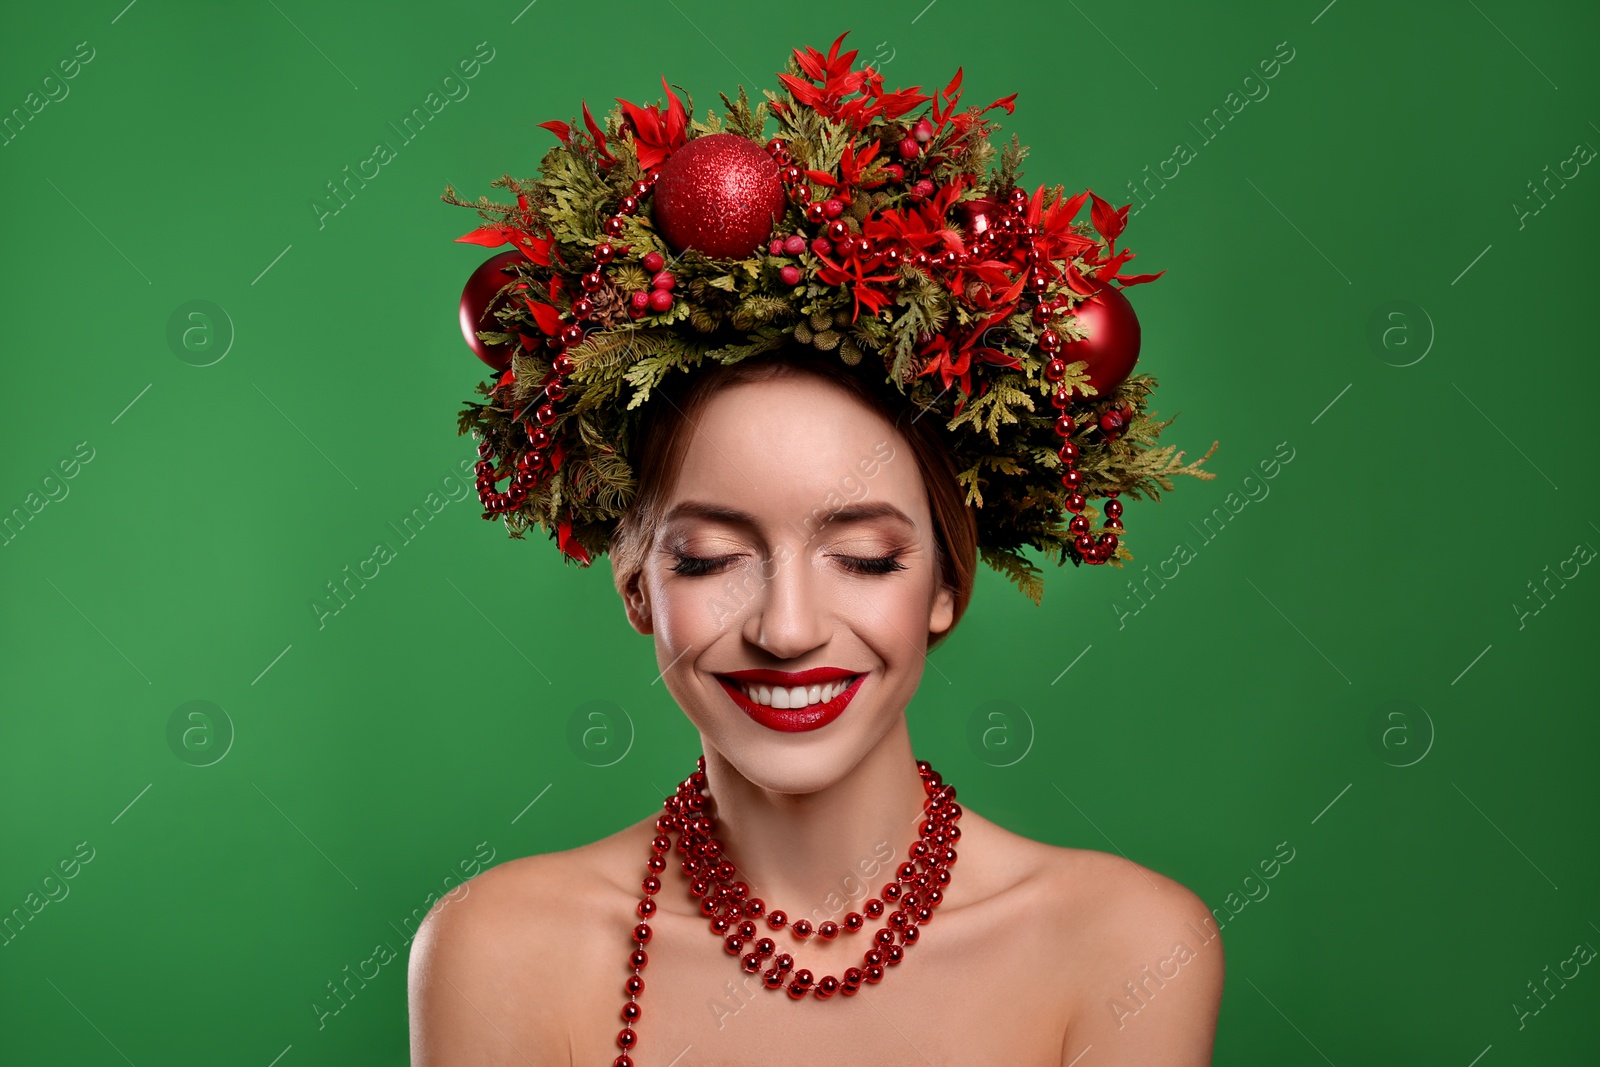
pixel 531 464
pixel 732 912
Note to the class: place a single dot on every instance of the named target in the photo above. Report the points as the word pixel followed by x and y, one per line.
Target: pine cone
pixel 610 307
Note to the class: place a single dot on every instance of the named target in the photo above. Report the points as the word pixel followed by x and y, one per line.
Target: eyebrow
pixel 857 512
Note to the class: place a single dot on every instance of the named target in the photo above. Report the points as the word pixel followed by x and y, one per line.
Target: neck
pixel 823 854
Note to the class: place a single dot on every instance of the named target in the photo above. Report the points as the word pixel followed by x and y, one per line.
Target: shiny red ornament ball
pixel 1112 347
pixel 476 313
pixel 720 194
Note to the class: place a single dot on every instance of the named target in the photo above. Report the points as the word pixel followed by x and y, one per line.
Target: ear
pixel 943 613
pixel 636 602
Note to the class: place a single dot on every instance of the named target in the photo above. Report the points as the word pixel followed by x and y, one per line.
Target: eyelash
pixel 692 566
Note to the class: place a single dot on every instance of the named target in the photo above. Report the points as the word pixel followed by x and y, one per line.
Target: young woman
pixel 797 545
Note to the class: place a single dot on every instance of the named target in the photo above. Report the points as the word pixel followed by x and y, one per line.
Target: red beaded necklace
pixel 731 910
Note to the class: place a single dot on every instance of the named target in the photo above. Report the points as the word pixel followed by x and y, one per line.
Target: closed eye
pixel 692 566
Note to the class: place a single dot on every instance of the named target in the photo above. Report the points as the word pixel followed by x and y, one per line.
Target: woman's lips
pixel 810 717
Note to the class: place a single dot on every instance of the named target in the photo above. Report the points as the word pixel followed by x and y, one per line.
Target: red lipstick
pixel 810 717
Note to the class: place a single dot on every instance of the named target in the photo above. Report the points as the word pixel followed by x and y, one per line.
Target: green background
pixel 1341 666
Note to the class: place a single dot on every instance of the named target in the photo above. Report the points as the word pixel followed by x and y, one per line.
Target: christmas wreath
pixel 657 242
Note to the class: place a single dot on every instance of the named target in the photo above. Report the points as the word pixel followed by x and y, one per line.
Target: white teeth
pixel 796 696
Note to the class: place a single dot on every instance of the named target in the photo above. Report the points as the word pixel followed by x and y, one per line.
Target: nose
pixel 788 615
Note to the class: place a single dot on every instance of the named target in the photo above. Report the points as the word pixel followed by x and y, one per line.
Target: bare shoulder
pixel 485 981
pixel 1143 951
pixel 1150 959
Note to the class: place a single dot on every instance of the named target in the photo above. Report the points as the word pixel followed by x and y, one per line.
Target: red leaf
pixel 597 133
pixel 833 55
pixel 548 318
pixel 1107 220
pixel 953 90
pixel 803 91
pixel 560 129
pixel 1007 102
pixel 488 236
pixel 811 62
pixel 677 121
pixel 532 247
pixel 1138 279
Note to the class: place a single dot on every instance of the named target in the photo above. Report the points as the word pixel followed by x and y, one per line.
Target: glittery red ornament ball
pixel 1113 344
pixel 720 194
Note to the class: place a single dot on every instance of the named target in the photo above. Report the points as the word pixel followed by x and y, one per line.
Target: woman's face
pixel 798 536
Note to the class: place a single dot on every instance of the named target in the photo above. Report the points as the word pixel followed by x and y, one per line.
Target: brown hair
pixel 659 447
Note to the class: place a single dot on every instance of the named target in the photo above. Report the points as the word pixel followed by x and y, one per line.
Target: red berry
pixel 909 148
pixel 639 300
pixel 923 189
pixel 833 207
pixel 822 246
pixel 775 248
pixel 660 300
pixel 663 280
pixel 923 130
pixel 896 172
pixel 790 275
pixel 653 262
pixel 794 244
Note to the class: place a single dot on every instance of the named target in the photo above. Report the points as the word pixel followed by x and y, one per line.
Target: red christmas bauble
pixel 720 194
pixel 476 314
pixel 1112 347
